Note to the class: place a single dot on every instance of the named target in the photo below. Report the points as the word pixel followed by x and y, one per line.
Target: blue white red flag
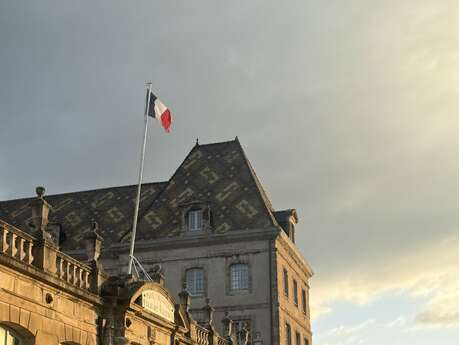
pixel 159 111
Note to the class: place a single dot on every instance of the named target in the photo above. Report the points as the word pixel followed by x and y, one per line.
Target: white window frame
pixel 195 220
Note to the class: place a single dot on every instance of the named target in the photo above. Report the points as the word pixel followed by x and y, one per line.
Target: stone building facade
pixel 211 228
pixel 50 298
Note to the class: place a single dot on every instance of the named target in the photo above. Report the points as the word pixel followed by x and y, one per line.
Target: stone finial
pixel 157 274
pixel 208 312
pixel 93 242
pixel 40 190
pixel 184 297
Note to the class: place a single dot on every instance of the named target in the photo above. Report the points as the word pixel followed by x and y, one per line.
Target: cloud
pixel 352 334
pixel 430 271
pixel 443 307
pixel 399 322
pixel 347 331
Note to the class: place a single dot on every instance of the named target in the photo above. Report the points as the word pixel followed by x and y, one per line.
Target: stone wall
pixel 49 314
pixel 288 258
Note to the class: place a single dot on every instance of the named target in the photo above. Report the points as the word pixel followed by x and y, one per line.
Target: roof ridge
pixel 84 191
pixel 218 143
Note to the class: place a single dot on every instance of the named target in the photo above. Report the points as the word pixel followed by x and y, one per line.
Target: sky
pixel 346 109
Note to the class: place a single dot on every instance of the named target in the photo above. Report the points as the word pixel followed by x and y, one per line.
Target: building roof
pixel 217 175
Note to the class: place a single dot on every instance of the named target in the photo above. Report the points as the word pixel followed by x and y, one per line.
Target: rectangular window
pixel 303 300
pixel 306 341
pixel 195 220
pixel 295 292
pixel 297 339
pixel 239 277
pixel 285 282
pixel 195 281
pixel 288 334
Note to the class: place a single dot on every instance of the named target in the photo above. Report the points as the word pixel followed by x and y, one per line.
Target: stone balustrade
pixel 202 335
pixel 73 271
pixel 20 246
pixel 16 243
pixel 219 340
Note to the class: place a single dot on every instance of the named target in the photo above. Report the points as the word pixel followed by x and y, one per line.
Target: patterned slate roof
pixel 217 175
pixel 111 208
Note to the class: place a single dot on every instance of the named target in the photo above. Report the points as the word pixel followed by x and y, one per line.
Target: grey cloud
pixel 346 109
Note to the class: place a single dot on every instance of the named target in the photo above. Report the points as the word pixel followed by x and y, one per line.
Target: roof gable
pixel 218 175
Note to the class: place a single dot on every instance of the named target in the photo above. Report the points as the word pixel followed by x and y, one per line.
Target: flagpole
pixel 139 186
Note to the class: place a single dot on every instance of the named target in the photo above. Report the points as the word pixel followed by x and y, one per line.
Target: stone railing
pixel 72 271
pixel 219 340
pixel 202 335
pixel 22 247
pixel 16 243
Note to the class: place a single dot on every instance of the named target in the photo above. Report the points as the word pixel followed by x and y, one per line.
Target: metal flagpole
pixel 137 201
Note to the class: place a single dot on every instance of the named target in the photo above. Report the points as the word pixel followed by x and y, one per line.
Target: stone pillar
pixel 45 250
pixel 228 327
pixel 185 299
pixel 208 313
pixel 93 245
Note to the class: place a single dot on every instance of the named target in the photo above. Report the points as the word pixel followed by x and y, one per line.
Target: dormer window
pixel 196 218
pixel 195 221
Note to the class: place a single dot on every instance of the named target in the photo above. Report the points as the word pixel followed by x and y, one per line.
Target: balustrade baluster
pixel 22 253
pixel 4 240
pixel 29 257
pixel 68 276
pixel 12 250
pixel 75 276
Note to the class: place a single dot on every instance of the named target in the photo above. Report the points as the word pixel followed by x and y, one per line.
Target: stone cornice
pixel 201 240
pixel 295 254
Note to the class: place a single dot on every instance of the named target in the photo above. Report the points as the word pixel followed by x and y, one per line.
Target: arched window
pixel 194 278
pixel 8 338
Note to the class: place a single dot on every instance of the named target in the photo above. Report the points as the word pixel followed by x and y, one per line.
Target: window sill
pixel 239 292
pixel 197 296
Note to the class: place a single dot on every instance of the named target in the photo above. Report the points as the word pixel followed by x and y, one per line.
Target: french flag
pixel 159 111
